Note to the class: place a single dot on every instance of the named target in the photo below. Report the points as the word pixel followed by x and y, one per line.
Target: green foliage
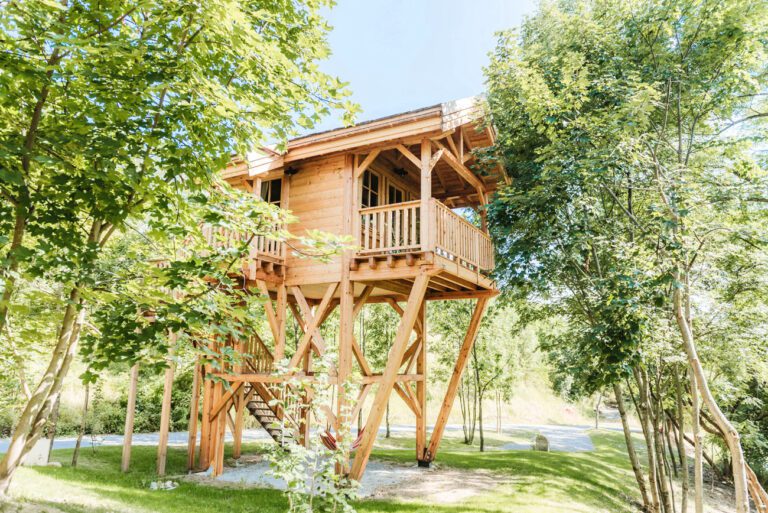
pixel 632 132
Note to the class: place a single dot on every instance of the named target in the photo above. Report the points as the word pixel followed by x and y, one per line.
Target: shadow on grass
pixel 597 480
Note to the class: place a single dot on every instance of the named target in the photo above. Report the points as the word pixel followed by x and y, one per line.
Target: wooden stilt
pixel 404 330
pixel 165 412
pixel 282 303
pixel 129 417
pixel 237 435
pixel 453 385
pixel 205 426
pixel 421 388
pixel 194 406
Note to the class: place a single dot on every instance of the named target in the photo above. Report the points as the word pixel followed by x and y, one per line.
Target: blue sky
pixel 400 55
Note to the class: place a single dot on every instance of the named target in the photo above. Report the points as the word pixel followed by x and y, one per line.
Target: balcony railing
pixel 261 247
pixel 392 229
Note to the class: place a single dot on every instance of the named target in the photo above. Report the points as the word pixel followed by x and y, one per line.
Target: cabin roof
pixel 406 128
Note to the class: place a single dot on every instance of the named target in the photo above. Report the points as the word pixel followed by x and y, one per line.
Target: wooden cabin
pixel 397 185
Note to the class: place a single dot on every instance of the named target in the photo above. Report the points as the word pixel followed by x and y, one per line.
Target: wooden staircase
pixel 259 395
pixel 268 417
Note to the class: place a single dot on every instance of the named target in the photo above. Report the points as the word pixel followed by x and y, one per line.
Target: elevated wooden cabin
pixel 394 184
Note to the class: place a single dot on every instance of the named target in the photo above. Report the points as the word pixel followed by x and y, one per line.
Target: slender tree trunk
pixel 664 485
pixel 732 438
pixel 667 428
pixel 636 468
pixel 33 418
pixel 597 410
pixel 480 419
pixel 83 421
pixel 52 426
pixel 498 412
pixel 681 443
pixel 644 413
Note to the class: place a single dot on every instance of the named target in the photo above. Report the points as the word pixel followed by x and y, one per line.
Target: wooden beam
pixel 237 432
pixel 389 376
pixel 453 385
pixel 367 162
pixel 421 388
pixel 165 411
pixel 194 407
pixel 225 399
pixel 434 159
pixel 313 322
pixel 410 156
pixel 407 399
pixel 461 169
pixel 361 399
pixel 130 414
pixel 204 460
pixel 462 294
pixel 280 318
pixel 360 357
pixel 426 195
pixel 270 311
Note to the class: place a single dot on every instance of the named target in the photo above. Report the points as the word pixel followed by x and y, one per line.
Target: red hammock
pixel 330 441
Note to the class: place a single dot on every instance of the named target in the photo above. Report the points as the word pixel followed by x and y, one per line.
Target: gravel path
pixel 561 438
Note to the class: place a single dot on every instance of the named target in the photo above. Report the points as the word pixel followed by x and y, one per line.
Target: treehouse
pixel 401 186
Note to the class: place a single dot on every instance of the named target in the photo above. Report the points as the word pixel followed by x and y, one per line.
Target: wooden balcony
pixel 396 229
pixel 265 253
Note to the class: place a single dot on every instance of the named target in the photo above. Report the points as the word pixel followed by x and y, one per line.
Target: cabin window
pixel 369 196
pixel 271 191
pixel 395 195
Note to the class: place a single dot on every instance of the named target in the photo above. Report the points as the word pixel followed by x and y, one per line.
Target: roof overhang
pixel 404 128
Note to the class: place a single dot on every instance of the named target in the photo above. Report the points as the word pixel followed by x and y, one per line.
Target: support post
pixel 194 405
pixel 453 385
pixel 404 330
pixel 129 416
pixel 205 426
pixel 165 412
pixel 421 390
pixel 426 194
pixel 282 304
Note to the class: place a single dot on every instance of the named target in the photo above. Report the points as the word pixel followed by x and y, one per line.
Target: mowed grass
pixel 599 481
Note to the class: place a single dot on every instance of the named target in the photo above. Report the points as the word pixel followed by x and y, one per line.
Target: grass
pixel 599 481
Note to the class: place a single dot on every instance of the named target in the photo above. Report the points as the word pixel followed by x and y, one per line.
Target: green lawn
pixel 535 482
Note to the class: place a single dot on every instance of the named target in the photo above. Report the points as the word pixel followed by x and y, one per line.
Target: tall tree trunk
pixel 681 442
pixel 33 418
pixel 643 411
pixel 52 426
pixel 83 421
pixel 658 445
pixel 636 468
pixel 732 438
pixel 11 261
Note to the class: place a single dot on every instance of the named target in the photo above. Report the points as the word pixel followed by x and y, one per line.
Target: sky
pixel 400 55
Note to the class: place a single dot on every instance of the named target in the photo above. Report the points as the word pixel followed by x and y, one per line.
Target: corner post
pixel 421 391
pixel 346 307
pixel 426 195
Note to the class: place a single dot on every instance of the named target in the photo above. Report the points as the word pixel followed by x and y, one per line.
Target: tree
pixel 626 129
pixel 122 112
